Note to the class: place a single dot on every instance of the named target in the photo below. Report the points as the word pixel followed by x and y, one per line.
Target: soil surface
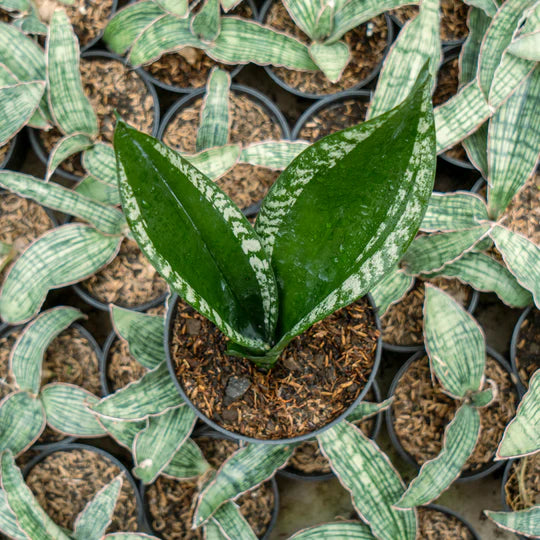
pixel 7 383
pixel 528 347
pixel 122 368
pixel 435 525
pixel 522 488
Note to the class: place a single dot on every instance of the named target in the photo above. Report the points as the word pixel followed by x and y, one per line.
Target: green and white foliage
pixel 524 522
pixel 25 16
pixel 25 412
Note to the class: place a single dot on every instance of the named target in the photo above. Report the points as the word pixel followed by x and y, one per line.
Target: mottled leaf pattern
pixel 176 7
pixel 98 191
pixel 206 23
pixel 67 146
pixel 232 524
pixel 122 432
pixel 188 462
pixel 8 520
pixel 332 58
pixel 526 46
pixel 304 13
pixel 525 522
pixel 100 162
pixel 272 154
pixel 366 410
pixel 391 289
pixel 352 530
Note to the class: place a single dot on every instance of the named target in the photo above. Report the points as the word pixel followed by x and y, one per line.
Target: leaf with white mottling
pixel 232 524
pixel 122 432
pixel 129 536
pixel 351 530
pixel 187 463
pixel 525 522
pixel 100 161
pixel 274 155
pixel 332 58
pixel 215 162
pixel 488 6
pixel 15 5
pixel 176 7
pixel 31 25
pixel 8 520
pixel 206 23
pixel 366 410
pixel 67 146
pixel 98 191
pixel 526 46
pixel 391 289
pixel 304 13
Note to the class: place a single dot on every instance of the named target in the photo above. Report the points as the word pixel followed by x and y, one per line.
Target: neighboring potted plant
pixel 524 353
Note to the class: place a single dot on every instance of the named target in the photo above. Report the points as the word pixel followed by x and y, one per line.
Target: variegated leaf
pixel 231 523
pixel 143 334
pixel 129 536
pixel 522 258
pixel 325 22
pixel 436 475
pixel 93 521
pixel 22 420
pixel 67 146
pixel 31 25
pixel 352 530
pixel 272 154
pixel 215 162
pixel 66 408
pixel 153 394
pixel 8 520
pixel 206 23
pixel 227 5
pixel 70 108
pixel 188 462
pixel 105 218
pixel 122 432
pixel 27 354
pixel 454 342
pixel 488 6
pixel 176 7
pixel 247 468
pixel 100 162
pixel 391 289
pixel 368 475
pixel 522 435
pixel 331 58
pixel 155 446
pixel 60 257
pixel 215 117
pixel 15 5
pixel 526 46
pixel 524 522
pixel 483 398
pixel 418 43
pixel 304 13
pixel 92 188
pixel 366 410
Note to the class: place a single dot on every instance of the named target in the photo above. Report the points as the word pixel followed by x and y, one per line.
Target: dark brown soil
pixel 122 368
pixel 109 86
pixel 249 123
pixel 522 488
pixel 7 384
pixel 402 324
pixel 4 151
pixel 64 483
pixel 528 346
pixel 367 43
pixel 435 525
pixel 317 377
pixel 128 281
pixel 171 502
pixel 337 116
pixel 422 411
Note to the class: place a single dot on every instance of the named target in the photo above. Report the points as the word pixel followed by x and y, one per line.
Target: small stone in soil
pixel 237 387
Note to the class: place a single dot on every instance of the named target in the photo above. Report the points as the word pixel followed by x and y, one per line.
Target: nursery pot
pixel 507 508
pixel 453 514
pixel 16 152
pixel 513 349
pixel 313 95
pixel 94 41
pixel 169 334
pixel 465 476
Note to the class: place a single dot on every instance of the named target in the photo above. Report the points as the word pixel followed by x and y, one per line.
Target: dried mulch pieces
pixel 122 368
pixel 522 488
pixel 528 346
pixel 434 525
pixel 7 383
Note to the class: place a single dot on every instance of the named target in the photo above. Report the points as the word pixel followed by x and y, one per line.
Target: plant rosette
pixel 524 353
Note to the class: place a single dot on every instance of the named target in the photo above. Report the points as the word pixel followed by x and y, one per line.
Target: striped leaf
pixel 22 420
pixel 526 522
pixel 428 254
pixel 366 410
pixel 436 475
pixel 526 46
pixel 153 394
pixel 488 6
pixel 215 162
pixel 246 469
pixel 522 435
pixel 155 446
pixel 323 189
pixel 122 432
pixel 418 43
pixel 227 5
pixel 454 342
pixel 92 188
pixel 272 154
pixel 60 257
pixel 99 161
pixel 353 530
pixel 215 118
pixel 206 23
pixel 391 289
pixel 368 475
pixel 18 103
pixel 447 212
pixel 331 58
pixel 176 7
pixel 7 78
pixel 231 523
pixel 31 518
pixel 513 143
pixel 485 274
pixel 304 13
pixel 187 463
pixel 67 146
pixel 70 108
pixel 8 520
pixel 31 25
pixel 522 258
pixel 93 521
pixel 483 398
pixel 27 354
pixel 143 333
pixel 325 22
pixel 66 408
pixel 105 218
pixel 220 267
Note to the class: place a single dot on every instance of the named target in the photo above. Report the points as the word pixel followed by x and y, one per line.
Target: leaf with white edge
pixel 98 191
pixel 31 518
pixel 180 8
pixel 105 218
pixel 366 410
pixel 325 22
pixel 369 476
pixel 274 155
pixel 304 13
pixel 513 143
pixel 142 332
pixel 220 266
pixel 153 394
pixel 122 432
pixel 526 46
pixel 482 399
pixel 100 161
pixel 227 5
pixel 60 257
pixel 447 212
pixel 485 274
pixel 522 435
pixel 27 354
pixel 332 58
pixel 31 25
pixel 71 144
pixel 8 520
pixel 206 23
pixel 70 107
pixel 454 342
pixel 522 258
pixel 18 103
pixel 66 408
pixel 215 116
pixel 7 78
pixel 436 475
pixel 418 42
pixel 231 523
pixel 430 253
pixel 391 289
pixel 215 162
pixel 524 522
pixel 93 521
pixel 246 469
pixel 22 420
pixel 488 6
pixel 155 446
pixel 187 463
pixel 352 530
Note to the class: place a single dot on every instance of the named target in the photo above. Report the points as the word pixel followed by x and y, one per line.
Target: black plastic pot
pixel 171 315
pixel 466 476
pixel 94 41
pixel 66 447
pixel 309 95
pixel 16 153
pixel 449 512
pixel 33 133
pixel 295 474
pixel 513 349
pixel 506 508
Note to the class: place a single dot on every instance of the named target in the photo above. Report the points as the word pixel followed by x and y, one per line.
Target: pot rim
pixel 513 349
pixel 453 513
pixel 95 40
pixel 506 507
pixel 12 144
